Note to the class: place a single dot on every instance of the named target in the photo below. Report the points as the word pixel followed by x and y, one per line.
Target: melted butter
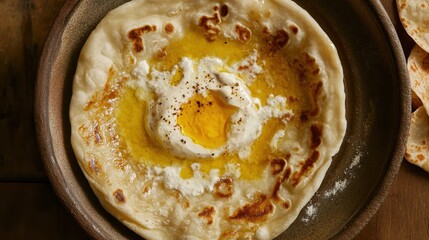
pixel 195 46
pixel 277 78
pixel 177 77
pixel 131 120
pixel 130 115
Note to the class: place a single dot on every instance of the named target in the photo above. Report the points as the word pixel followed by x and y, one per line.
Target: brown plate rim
pixel 356 224
pixel 44 137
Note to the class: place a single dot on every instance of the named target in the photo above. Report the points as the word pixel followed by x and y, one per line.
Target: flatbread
pixel 417 151
pixel 418 69
pixel 415 101
pixel 414 15
pixel 253 190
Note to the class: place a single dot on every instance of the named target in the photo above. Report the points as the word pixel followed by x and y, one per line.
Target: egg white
pixel 199 77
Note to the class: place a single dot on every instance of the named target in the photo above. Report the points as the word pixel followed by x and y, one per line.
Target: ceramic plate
pixel 378 109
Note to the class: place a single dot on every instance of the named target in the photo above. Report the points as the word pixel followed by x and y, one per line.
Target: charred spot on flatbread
pixel 207 213
pixel 244 33
pixel 417 148
pixel 224 10
pixel 93 164
pixel 224 188
pixel 119 196
pixel 135 36
pixel 275 41
pixel 169 28
pixel 277 165
pixel 210 26
pixel 306 167
pixel 257 211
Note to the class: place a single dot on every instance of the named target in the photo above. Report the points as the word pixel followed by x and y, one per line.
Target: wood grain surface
pixel 28 207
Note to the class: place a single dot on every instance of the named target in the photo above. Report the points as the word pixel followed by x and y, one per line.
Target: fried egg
pixel 209 112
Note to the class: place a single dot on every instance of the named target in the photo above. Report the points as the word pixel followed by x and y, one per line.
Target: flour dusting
pixel 355 161
pixel 310 213
pixel 339 186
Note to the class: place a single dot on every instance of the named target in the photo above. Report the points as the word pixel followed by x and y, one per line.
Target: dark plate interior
pixel 378 109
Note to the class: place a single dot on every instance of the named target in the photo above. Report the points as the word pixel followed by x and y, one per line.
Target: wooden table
pixel 28 207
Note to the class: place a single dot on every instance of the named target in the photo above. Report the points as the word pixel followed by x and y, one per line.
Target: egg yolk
pixel 206 120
